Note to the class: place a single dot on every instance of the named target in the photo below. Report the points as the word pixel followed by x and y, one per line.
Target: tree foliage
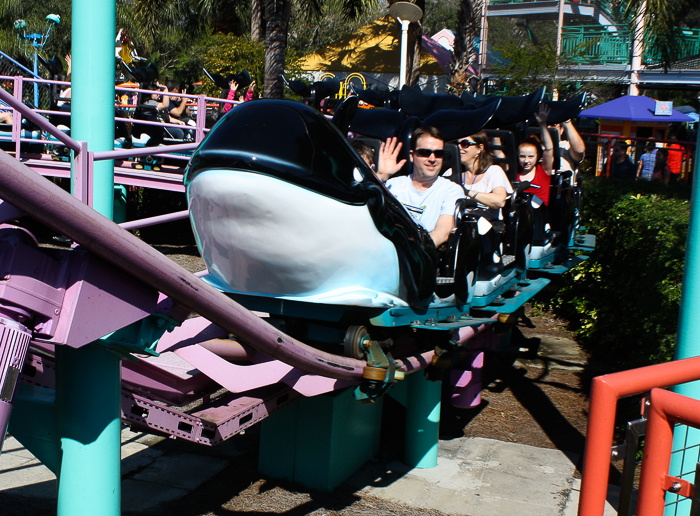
pixel 34 13
pixel 624 301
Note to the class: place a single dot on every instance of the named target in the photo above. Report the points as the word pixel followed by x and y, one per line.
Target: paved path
pixel 474 477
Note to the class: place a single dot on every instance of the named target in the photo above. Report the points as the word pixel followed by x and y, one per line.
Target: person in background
pixel 65 92
pixel 179 112
pixel 233 88
pixel 675 158
pixel 248 94
pixel 622 166
pixel 662 171
pixel 645 166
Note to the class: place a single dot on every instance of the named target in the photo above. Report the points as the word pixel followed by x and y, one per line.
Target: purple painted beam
pixel 39 120
pixel 50 205
pixel 152 221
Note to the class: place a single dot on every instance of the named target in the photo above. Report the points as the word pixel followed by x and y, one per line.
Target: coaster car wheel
pixel 353 342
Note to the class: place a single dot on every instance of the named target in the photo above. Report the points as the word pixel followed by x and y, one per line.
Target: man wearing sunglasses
pixel 429 198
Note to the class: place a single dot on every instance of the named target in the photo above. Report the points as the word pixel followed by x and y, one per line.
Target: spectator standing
pixel 622 166
pixel 645 166
pixel 675 158
pixel 662 172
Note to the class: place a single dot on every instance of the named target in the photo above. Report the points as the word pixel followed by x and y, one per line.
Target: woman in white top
pixel 485 182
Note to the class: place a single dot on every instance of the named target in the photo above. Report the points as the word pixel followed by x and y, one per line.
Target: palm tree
pixel 277 13
pixel 662 19
pixel 467 31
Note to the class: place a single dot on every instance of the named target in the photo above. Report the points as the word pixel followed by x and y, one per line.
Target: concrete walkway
pixel 474 477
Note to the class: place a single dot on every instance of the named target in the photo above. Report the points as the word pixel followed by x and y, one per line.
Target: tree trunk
pixel 415 34
pixel 469 21
pixel 256 20
pixel 277 14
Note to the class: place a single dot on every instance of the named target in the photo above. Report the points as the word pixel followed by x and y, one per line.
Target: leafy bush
pixel 226 54
pixel 623 302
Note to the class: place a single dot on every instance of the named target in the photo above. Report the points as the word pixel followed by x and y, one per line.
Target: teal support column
pixel 88 379
pixel 686 440
pixel 88 395
pixel 422 421
pixel 92 94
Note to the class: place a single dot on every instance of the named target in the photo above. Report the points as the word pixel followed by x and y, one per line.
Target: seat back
pixel 451 165
pixel 505 149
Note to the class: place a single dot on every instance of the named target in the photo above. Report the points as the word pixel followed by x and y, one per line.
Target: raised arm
pixel 548 154
pixel 388 162
pixel 164 104
pixel 578 148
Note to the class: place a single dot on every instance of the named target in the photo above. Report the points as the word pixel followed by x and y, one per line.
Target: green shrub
pixel 623 302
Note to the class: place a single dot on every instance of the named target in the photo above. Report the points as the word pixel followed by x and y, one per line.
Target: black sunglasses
pixel 465 144
pixel 425 153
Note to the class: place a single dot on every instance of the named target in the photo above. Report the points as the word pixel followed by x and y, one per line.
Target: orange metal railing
pixel 655 480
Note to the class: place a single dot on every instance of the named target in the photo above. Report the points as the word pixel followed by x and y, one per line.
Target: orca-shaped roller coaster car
pixel 289 220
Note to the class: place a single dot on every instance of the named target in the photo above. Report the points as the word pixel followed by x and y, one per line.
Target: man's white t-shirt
pixel 426 206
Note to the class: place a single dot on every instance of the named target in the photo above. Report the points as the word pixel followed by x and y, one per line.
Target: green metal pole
pixel 685 439
pixel 88 379
pixel 422 421
pixel 92 93
pixel 88 393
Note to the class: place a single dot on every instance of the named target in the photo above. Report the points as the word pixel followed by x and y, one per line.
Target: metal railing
pixel 47 135
pixel 595 45
pixel 665 409
pixel 599 44
pixel 11 68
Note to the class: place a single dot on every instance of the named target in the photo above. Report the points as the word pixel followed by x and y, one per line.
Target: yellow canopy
pixel 374 48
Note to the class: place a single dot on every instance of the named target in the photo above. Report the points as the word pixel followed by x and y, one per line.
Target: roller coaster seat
pixel 235 174
pixel 503 144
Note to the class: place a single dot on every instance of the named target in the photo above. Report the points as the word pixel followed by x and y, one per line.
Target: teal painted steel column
pixel 88 394
pixel 686 440
pixel 422 421
pixel 88 379
pixel 92 93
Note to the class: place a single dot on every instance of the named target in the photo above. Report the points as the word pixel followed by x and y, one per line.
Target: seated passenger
pixel 179 113
pixel 571 146
pixel 6 117
pixel 484 182
pixel 364 151
pixel 389 162
pixel 153 109
pixel 429 198
pixel 534 162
